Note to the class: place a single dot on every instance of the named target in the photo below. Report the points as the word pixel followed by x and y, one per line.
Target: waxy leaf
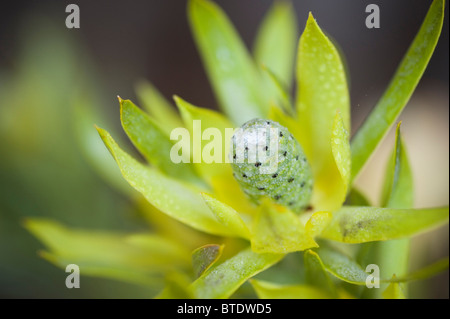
pixel 268 290
pixel 342 266
pixel 398 190
pixel 275 47
pixel 170 196
pixel 227 216
pixel 165 115
pixel 316 273
pixel 209 138
pixel 393 255
pixel 152 142
pixel 399 90
pixel 231 71
pixel 222 281
pixel 276 229
pixel 276 41
pixel 204 257
pixel 322 92
pixel 141 259
pixel 353 224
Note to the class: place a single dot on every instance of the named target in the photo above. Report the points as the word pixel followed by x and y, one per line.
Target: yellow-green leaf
pixel 152 142
pixel 222 281
pixel 342 266
pixel 209 138
pixel 268 290
pixel 394 291
pixel 393 255
pixel 204 257
pixel 399 90
pixel 398 190
pixel 276 229
pixel 172 197
pixel 158 107
pixel 340 147
pixel 275 47
pixel 322 92
pixel 227 216
pixel 353 224
pixel 317 222
pixel 316 274
pixel 356 198
pixel 110 255
pixel 231 71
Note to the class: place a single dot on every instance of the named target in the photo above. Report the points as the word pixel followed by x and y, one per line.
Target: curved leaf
pixel 393 255
pixel 204 257
pixel 212 120
pixel 223 280
pixel 342 266
pixel 227 216
pixel 353 224
pixel 158 107
pixel 152 142
pixel 109 255
pixel 322 92
pixel 276 41
pixel 399 90
pixel 274 50
pixel 231 71
pixel 316 274
pixel 394 291
pixel 170 196
pixel 276 229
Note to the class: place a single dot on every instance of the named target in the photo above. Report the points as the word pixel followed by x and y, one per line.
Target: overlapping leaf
pixel 172 197
pixel 400 89
pixel 322 92
pixel 232 73
pixel 223 280
pixel 353 224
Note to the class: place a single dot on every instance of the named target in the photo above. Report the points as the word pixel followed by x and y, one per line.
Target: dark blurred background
pixel 124 42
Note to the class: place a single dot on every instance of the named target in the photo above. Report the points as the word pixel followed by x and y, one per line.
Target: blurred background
pixel 56 82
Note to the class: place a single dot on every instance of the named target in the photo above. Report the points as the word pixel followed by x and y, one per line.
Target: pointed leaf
pixel 356 198
pixel 322 92
pixel 223 280
pixel 231 71
pixel 317 223
pixel 274 51
pixel 342 266
pixel 276 229
pixel 281 91
pixel 204 257
pixel 393 255
pixel 398 188
pixel 227 216
pixel 152 142
pixel 268 290
pixel 276 41
pixel 340 147
pixel 215 123
pixel 394 291
pixel 107 254
pixel 399 90
pixel 353 224
pixel 158 107
pixel 315 273
pixel 170 196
